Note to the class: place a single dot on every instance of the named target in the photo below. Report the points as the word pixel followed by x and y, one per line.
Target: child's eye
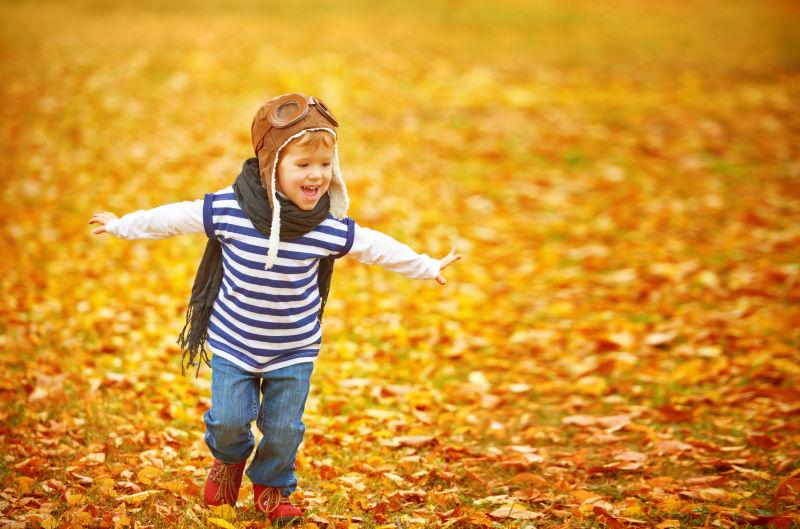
pixel 302 165
pixel 326 164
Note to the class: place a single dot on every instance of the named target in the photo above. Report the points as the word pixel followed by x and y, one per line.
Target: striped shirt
pixel 267 319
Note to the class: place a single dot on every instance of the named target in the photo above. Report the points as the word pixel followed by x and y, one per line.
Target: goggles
pixel 291 108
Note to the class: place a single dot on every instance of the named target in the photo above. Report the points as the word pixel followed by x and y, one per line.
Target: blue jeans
pixel 279 416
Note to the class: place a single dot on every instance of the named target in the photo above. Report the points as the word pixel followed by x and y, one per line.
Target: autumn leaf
pixel 226 512
pixel 49 523
pixel 515 511
pixel 25 484
pixel 138 497
pixel 220 523
pixel 146 474
pixel 672 447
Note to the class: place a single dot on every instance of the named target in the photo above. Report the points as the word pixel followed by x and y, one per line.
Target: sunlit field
pixel 619 345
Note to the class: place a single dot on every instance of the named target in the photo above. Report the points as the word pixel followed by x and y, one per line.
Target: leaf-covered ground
pixel 618 346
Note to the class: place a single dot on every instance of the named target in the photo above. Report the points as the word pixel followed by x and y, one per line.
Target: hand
pixel 102 219
pixel 446 260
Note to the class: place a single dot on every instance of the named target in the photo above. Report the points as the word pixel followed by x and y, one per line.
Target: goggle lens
pixel 288 111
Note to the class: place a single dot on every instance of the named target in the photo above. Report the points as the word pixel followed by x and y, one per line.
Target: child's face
pixel 304 173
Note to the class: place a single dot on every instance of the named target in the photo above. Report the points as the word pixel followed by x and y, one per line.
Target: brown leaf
pixel 780 522
pixel 762 440
pixel 602 513
pixel 788 487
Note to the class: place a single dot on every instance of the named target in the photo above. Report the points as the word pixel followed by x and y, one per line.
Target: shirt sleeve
pixel 374 247
pixel 159 223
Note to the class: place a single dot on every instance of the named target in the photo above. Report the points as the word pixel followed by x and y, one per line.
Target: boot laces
pixel 270 498
pixel 225 476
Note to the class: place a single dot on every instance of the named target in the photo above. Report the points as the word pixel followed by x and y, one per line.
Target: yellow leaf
pixel 121 520
pixel 787 366
pixel 49 523
pixel 224 511
pixel 106 486
pixel 582 495
pixel 361 504
pixel 175 485
pixel 666 524
pixel 632 507
pixel 222 523
pixel 591 385
pixel 671 504
pixel 75 499
pixel 24 484
pixel 146 474
pixel 82 518
pixel 139 497
pixel 693 370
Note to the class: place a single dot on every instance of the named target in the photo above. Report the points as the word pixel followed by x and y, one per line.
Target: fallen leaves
pixel 619 348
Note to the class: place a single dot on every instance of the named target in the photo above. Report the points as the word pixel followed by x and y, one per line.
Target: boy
pixel 261 289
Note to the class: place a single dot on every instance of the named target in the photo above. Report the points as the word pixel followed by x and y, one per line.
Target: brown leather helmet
pixel 279 121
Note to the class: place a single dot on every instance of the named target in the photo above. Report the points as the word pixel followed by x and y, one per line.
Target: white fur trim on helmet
pixel 337 192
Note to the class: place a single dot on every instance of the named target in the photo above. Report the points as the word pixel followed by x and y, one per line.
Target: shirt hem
pixel 271 367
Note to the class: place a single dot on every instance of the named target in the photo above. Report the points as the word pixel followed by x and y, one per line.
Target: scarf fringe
pixel 193 342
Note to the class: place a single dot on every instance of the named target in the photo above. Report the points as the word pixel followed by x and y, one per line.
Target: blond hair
pixel 313 138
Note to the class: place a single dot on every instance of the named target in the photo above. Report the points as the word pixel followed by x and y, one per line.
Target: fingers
pixel 451 257
pixel 102 218
pixel 441 280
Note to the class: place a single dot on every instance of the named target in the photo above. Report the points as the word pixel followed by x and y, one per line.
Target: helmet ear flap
pixel 266 182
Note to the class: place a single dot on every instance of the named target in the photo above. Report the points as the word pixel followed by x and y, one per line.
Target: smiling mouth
pixel 310 192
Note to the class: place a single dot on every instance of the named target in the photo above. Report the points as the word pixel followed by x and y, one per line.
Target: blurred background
pixel 620 176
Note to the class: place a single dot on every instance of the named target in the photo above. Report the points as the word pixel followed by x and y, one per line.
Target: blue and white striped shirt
pixel 267 319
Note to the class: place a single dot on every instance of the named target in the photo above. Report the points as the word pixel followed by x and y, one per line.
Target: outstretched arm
pixel 157 223
pixel 374 247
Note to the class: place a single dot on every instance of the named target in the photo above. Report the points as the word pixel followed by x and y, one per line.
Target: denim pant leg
pixel 281 421
pixel 234 405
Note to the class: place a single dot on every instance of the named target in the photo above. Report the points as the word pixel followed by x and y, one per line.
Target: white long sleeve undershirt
pixel 369 246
